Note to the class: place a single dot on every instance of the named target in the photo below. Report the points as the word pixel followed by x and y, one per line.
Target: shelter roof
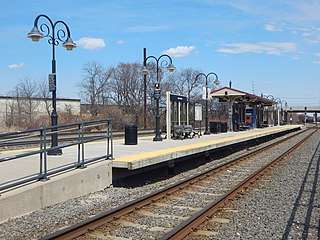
pixel 227 94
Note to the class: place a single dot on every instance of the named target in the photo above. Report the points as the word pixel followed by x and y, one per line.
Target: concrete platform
pixel 98 176
pixel 148 153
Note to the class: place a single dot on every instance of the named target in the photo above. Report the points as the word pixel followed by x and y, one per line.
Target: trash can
pixel 224 127
pixel 130 135
pixel 215 127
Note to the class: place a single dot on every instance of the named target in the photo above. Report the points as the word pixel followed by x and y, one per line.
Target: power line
pixel 301 98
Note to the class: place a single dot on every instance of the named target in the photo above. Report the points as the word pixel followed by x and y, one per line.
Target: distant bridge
pixel 304 109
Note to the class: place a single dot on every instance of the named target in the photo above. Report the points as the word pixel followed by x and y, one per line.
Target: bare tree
pixel 186 83
pixel 28 90
pixel 45 95
pixel 126 88
pixel 93 87
pixel 22 108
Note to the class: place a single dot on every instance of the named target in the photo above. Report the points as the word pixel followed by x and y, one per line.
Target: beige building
pixel 41 106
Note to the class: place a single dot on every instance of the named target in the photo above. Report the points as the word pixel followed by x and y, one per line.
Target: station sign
pixel 178 98
pixel 198 112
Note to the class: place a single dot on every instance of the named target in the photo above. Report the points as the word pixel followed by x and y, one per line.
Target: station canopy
pixel 227 94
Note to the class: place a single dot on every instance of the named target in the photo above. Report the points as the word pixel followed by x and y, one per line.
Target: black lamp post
pixel 216 82
pixel 144 93
pixel 270 97
pixel 285 112
pixel 49 30
pixel 305 116
pixel 157 92
pixel 279 101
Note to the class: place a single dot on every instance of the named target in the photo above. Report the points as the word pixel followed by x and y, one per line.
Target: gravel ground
pixel 50 219
pixel 284 205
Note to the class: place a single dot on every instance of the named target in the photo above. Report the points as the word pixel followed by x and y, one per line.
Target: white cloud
pixel 142 29
pixel 91 43
pixel 272 28
pixel 318 54
pixel 273 48
pixel 312 35
pixel 180 51
pixel 120 42
pixel 316 62
pixel 15 66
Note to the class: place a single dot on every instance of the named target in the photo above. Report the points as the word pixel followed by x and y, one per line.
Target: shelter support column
pixel 188 112
pixel 230 114
pixel 179 111
pixel 272 116
pixel 168 117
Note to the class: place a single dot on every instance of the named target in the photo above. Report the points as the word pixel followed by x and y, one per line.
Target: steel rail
pixel 82 227
pixel 11 143
pixel 189 225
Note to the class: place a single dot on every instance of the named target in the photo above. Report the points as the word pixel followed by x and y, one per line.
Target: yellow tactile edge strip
pixel 192 146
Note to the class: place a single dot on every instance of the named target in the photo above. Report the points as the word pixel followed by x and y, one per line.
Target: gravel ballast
pixel 285 204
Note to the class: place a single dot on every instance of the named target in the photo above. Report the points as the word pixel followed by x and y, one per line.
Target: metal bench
pixel 187 131
pixel 177 132
pixel 184 131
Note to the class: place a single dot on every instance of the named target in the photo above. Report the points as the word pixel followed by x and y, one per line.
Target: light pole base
pixel 55 152
pixel 206 133
pixel 157 138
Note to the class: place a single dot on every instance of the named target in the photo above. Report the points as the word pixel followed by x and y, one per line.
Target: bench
pixel 263 124
pixel 184 131
pixel 243 127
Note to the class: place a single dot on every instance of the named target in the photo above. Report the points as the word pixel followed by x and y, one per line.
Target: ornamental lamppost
pixel 157 92
pixel 270 97
pixel 279 101
pixel 285 112
pixel 216 82
pixel 305 116
pixel 54 37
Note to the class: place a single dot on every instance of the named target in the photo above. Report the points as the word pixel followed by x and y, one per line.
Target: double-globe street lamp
pixel 216 82
pixel 270 97
pixel 157 92
pixel 55 36
pixel 280 113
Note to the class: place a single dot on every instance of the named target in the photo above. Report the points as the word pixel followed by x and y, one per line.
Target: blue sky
pixel 270 47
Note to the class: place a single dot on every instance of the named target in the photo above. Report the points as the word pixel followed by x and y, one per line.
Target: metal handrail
pixel 42 134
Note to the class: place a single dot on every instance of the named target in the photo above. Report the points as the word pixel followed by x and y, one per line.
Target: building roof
pixel 227 94
pixel 40 98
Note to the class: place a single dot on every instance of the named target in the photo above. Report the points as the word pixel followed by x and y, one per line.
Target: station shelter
pixel 245 110
pixel 177 111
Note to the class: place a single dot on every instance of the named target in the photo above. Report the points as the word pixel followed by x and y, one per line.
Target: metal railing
pixel 44 135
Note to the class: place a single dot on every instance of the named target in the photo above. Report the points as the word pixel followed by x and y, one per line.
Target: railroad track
pixel 8 143
pixel 186 204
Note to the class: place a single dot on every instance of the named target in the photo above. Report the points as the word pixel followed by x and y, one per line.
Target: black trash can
pixel 224 127
pixel 215 127
pixel 130 135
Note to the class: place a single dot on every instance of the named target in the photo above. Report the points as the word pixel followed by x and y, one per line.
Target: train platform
pixel 128 159
pixel 148 152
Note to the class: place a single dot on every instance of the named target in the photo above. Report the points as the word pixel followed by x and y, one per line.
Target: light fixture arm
pixel 49 30
pixel 216 81
pixel 164 63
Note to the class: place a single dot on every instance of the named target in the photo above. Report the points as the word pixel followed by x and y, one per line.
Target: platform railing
pixel 42 137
